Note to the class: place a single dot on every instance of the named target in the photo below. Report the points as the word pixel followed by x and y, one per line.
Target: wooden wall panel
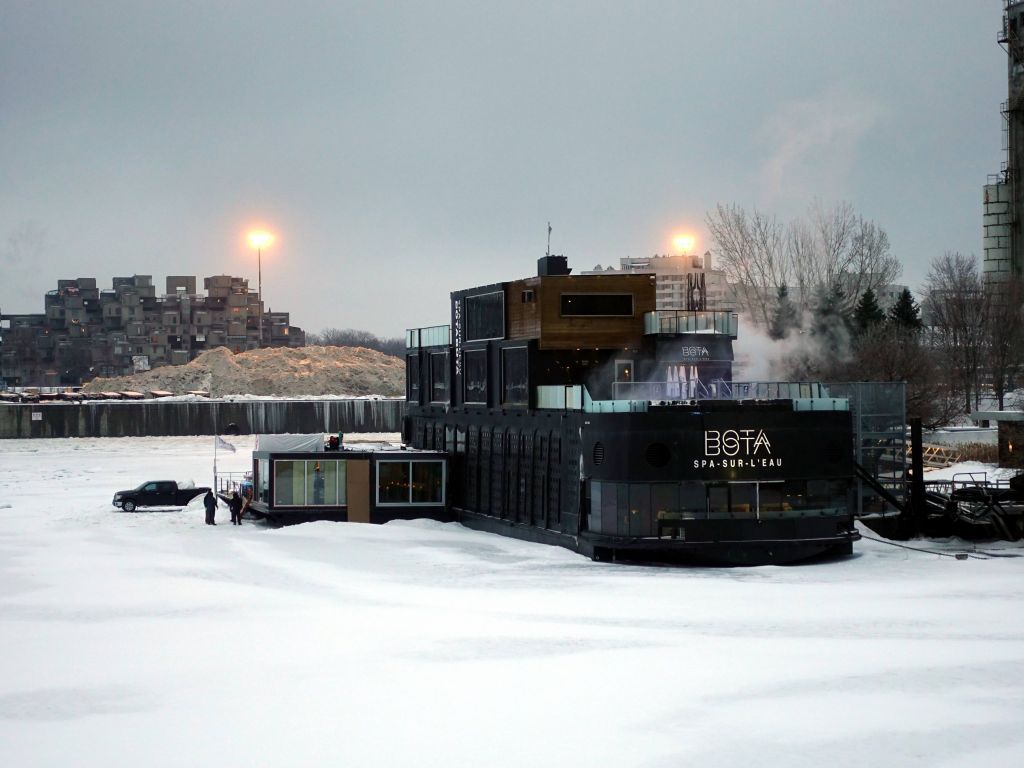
pixel 359 493
pixel 559 332
pixel 523 318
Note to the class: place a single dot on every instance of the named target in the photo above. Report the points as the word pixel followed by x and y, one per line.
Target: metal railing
pixel 432 336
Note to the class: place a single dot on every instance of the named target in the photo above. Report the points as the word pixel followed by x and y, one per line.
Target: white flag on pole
pixel 224 445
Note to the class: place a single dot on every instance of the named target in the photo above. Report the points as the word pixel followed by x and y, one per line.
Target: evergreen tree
pixel 784 318
pixel 832 326
pixel 905 313
pixel 867 312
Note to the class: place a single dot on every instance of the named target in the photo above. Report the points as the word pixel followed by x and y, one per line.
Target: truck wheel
pixel 128 506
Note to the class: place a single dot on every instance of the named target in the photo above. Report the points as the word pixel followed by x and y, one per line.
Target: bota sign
pixel 736 448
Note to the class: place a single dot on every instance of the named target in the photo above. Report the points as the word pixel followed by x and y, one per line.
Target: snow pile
pixel 151 639
pixel 285 372
pixel 969 471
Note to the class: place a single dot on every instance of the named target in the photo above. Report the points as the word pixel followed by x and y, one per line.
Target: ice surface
pixel 150 639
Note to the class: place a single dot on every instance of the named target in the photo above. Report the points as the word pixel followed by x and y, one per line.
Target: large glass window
pixel 743 499
pixel 829 495
pixel 597 304
pixel 393 482
pixel 718 500
pixel 410 482
pixel 794 495
pixel 439 377
pixel 412 378
pixel 609 507
pixel 309 483
pixel 324 481
pixel 771 501
pixel 514 376
pixel 485 316
pixel 263 480
pixel 594 518
pixel 664 502
pixel 427 482
pixel 640 509
pixel 289 483
pixel 475 376
pixel 693 501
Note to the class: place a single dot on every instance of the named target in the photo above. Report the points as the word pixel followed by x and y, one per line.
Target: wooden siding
pixel 523 317
pixel 357 488
pixel 559 332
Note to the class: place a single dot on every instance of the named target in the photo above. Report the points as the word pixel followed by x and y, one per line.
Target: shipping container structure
pixel 574 413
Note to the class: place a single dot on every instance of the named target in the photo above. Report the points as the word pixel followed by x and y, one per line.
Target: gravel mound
pixel 284 372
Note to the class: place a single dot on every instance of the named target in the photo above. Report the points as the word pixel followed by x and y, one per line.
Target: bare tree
pixel 829 250
pixel 957 319
pixel 887 352
pixel 751 250
pixel 349 337
pixel 835 248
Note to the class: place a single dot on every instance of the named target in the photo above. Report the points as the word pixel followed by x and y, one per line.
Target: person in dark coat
pixel 235 505
pixel 210 502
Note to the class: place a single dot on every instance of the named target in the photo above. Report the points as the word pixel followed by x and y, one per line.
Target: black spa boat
pixel 575 413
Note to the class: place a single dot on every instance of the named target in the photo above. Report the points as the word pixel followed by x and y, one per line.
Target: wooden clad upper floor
pixel 572 311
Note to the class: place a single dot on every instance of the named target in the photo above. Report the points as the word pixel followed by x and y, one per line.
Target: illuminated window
pixel 315 483
pixel 408 483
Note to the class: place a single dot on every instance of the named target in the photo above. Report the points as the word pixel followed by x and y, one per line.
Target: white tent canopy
pixel 282 443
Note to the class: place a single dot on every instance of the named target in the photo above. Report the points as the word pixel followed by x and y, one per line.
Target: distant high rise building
pixel 683 281
pixel 1003 239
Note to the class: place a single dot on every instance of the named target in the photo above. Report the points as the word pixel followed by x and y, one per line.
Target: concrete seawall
pixel 202 417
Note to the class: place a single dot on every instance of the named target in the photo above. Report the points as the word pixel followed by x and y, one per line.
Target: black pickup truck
pixel 157 493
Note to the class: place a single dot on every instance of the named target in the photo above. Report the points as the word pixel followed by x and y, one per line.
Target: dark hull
pixel 538 476
pixel 736 545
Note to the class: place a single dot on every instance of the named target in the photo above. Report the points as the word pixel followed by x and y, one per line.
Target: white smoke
pixel 759 357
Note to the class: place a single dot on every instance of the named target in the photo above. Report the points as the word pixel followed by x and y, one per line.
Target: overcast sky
pixel 404 150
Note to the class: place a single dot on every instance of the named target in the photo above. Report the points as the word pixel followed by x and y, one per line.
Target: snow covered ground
pixel 150 639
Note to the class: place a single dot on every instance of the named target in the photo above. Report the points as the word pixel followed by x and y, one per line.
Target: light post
pixel 260 239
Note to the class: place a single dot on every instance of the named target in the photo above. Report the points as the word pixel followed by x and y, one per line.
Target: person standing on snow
pixel 235 505
pixel 210 502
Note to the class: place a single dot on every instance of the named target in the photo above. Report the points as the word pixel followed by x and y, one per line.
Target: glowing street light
pixel 684 243
pixel 260 239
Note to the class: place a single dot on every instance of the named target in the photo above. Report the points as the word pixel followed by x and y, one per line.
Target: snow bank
pixel 975 469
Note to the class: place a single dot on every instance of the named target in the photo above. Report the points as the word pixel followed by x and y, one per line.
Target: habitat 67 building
pixel 86 332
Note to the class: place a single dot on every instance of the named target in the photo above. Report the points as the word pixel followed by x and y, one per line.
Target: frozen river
pixel 150 639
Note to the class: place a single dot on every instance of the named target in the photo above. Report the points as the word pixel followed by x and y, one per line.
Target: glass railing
pixel 560 398
pixel 577 398
pixel 434 336
pixel 691 321
pixel 636 396
pixel 777 390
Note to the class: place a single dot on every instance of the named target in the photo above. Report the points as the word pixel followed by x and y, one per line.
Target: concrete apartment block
pixel 85 332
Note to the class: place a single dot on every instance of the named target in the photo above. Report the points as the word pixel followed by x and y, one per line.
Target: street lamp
pixel 684 243
pixel 260 239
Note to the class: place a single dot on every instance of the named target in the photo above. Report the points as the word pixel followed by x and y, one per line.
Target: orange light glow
pixel 684 243
pixel 260 239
